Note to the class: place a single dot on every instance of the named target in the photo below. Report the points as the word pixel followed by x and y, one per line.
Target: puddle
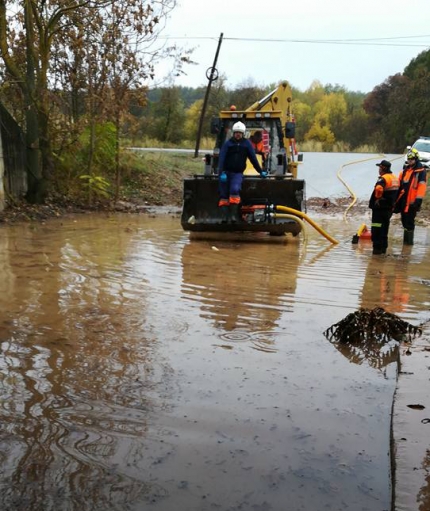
pixel 143 369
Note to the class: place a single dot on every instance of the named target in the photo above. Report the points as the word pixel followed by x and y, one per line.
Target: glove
pixel 223 177
pixel 263 174
pixel 417 204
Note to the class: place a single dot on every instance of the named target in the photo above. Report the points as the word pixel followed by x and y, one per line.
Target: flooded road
pixel 141 369
pixel 324 173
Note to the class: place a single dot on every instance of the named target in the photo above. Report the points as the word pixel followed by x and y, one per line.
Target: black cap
pixel 384 163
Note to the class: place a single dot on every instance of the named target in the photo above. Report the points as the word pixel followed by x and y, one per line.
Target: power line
pixel 377 41
pixel 351 42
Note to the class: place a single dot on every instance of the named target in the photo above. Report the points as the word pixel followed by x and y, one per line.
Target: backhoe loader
pixel 273 117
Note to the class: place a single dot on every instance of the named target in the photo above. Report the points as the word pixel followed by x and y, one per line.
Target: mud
pixel 144 369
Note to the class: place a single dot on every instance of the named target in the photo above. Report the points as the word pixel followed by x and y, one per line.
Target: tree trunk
pixel 36 187
pixel 91 159
pixel 117 168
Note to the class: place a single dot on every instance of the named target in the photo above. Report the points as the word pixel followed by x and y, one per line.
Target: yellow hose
pixel 353 196
pixel 309 220
pixel 296 219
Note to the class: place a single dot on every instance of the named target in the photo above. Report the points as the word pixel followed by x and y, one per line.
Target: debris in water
pixel 372 324
pixel 372 336
pixel 416 407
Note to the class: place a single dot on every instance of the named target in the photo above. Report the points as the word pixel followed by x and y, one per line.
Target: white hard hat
pixel 239 126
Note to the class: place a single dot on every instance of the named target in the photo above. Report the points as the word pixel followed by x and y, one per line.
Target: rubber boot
pixel 408 237
pixel 224 214
pixel 377 251
pixel 234 213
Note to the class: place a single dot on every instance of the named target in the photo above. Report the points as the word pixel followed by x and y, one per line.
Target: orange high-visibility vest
pixel 258 147
pixel 415 182
pixel 391 185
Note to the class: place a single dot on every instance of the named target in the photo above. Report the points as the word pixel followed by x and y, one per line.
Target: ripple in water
pixel 264 341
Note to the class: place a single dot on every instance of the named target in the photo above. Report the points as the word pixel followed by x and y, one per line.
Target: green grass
pixel 205 143
pixel 156 177
pixel 313 146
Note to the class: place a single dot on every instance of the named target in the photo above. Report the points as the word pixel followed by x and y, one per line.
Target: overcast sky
pixel 392 32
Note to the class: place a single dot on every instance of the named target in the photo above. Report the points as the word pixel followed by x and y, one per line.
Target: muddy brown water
pixel 142 368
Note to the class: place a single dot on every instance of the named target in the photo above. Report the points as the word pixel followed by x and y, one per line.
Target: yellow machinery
pixel 273 116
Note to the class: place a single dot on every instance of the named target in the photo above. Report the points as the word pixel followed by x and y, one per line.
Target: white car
pixel 422 145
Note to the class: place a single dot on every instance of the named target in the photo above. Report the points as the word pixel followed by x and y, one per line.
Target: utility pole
pixel 211 75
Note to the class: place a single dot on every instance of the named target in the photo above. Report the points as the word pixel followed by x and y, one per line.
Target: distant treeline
pixel 388 118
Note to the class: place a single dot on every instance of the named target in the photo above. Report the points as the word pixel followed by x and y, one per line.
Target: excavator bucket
pixel 201 213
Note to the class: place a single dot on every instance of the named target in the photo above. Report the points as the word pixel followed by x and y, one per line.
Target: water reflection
pixel 395 282
pixel 249 301
pixel 77 372
pixel 378 355
pixel 388 284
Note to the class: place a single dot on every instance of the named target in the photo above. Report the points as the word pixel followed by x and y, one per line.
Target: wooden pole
pixel 212 77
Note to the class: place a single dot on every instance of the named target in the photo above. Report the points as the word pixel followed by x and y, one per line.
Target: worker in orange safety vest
pixel 413 184
pixel 382 203
pixel 256 140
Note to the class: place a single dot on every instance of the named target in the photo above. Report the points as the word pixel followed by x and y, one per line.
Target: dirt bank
pixel 169 201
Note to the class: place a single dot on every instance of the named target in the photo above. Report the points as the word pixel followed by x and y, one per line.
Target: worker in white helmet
pixel 232 164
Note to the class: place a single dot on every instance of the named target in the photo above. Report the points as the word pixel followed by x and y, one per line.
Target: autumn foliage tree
pixel 80 56
pixel 398 109
pixel 109 67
